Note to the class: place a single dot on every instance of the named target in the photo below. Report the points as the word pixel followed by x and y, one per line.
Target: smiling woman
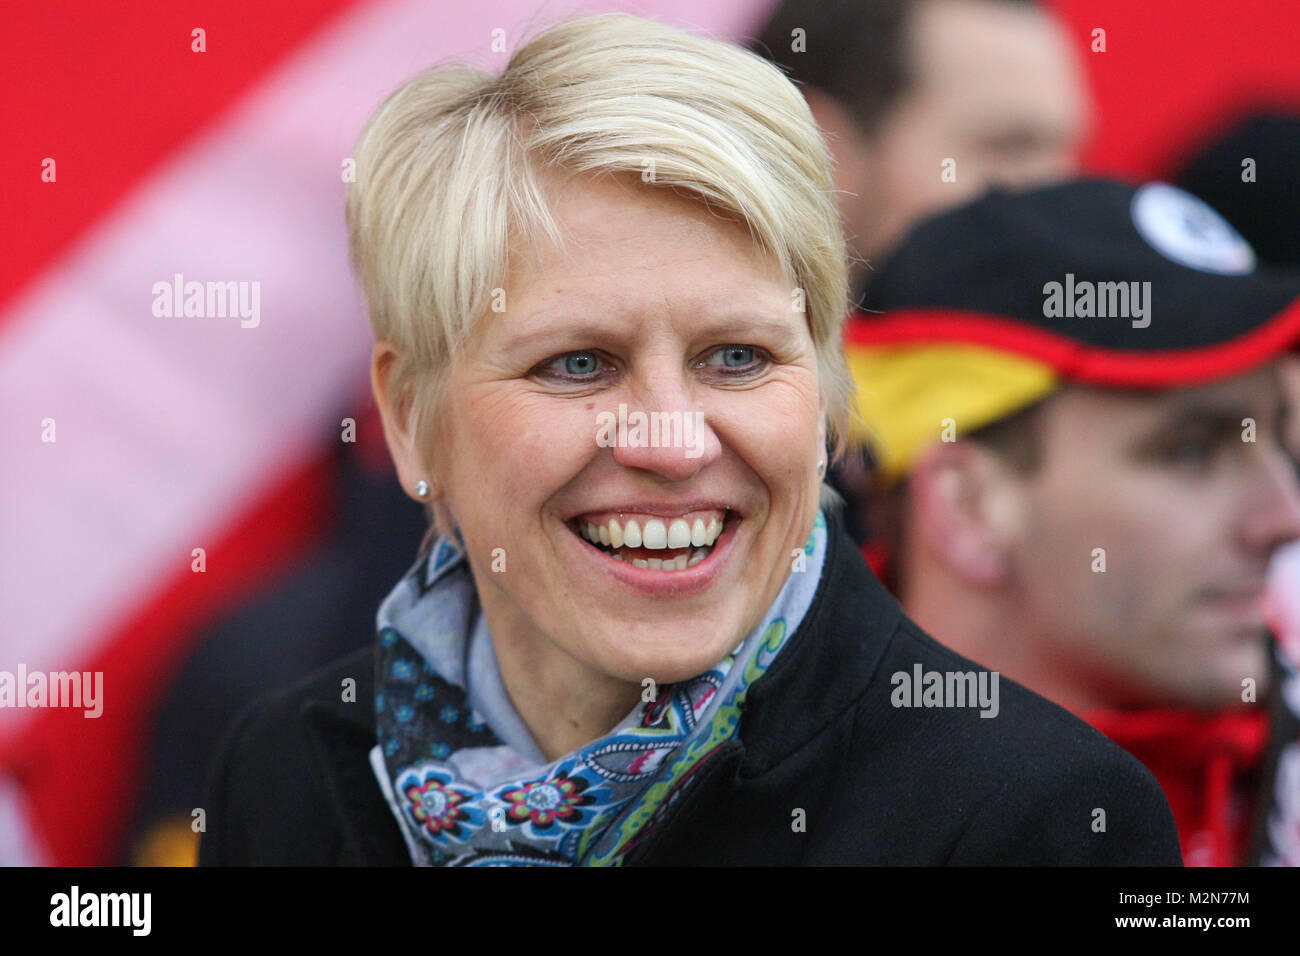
pixel 619 650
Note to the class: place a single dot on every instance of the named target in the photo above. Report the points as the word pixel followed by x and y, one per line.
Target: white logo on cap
pixel 1182 228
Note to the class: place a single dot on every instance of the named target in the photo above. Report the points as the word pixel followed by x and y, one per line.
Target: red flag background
pixel 224 165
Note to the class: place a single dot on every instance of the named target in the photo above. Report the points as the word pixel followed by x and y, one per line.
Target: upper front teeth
pixel 653 533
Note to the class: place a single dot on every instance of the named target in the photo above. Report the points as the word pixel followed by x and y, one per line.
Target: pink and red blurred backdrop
pixel 225 165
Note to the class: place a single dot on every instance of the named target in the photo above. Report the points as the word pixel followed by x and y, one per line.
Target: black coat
pixel 877 783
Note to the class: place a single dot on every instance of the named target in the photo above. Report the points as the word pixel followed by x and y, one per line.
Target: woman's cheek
pixel 791 433
pixel 511 428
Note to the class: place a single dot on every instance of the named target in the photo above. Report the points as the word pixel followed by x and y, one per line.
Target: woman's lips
pixel 653 542
pixel 661 563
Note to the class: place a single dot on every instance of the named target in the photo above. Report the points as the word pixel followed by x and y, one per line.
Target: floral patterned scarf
pixel 464 778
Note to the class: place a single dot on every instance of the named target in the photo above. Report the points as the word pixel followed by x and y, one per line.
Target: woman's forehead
pixel 619 219
pixel 632 256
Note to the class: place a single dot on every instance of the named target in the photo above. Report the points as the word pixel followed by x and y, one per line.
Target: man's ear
pixel 963 511
pixel 394 411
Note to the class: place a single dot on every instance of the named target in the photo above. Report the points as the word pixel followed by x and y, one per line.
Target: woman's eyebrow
pixel 748 323
pixel 537 331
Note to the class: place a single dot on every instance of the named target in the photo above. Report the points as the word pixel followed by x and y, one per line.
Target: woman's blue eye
pixel 734 356
pixel 576 364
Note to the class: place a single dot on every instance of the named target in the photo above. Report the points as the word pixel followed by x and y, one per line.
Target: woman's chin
pixel 664 653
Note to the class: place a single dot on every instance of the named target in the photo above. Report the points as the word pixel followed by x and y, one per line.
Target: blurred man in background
pixel 925 103
pixel 1071 396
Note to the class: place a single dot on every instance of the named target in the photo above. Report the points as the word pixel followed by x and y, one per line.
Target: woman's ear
pixel 395 412
pixel 961 501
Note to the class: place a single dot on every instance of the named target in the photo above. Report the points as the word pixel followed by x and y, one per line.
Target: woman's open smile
pixel 661 550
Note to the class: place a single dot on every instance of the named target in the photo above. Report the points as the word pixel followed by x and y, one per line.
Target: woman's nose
pixel 668 435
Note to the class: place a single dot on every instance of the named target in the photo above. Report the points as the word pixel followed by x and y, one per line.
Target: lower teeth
pixel 680 563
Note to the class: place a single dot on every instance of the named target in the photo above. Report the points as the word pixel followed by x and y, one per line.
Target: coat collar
pixel 829 661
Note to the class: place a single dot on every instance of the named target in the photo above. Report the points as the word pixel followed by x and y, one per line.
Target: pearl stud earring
pixel 821 468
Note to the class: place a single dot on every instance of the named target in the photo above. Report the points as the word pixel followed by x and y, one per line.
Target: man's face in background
pixel 994 87
pixel 1187 512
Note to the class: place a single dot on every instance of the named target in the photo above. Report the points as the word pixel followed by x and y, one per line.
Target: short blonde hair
pixel 450 170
